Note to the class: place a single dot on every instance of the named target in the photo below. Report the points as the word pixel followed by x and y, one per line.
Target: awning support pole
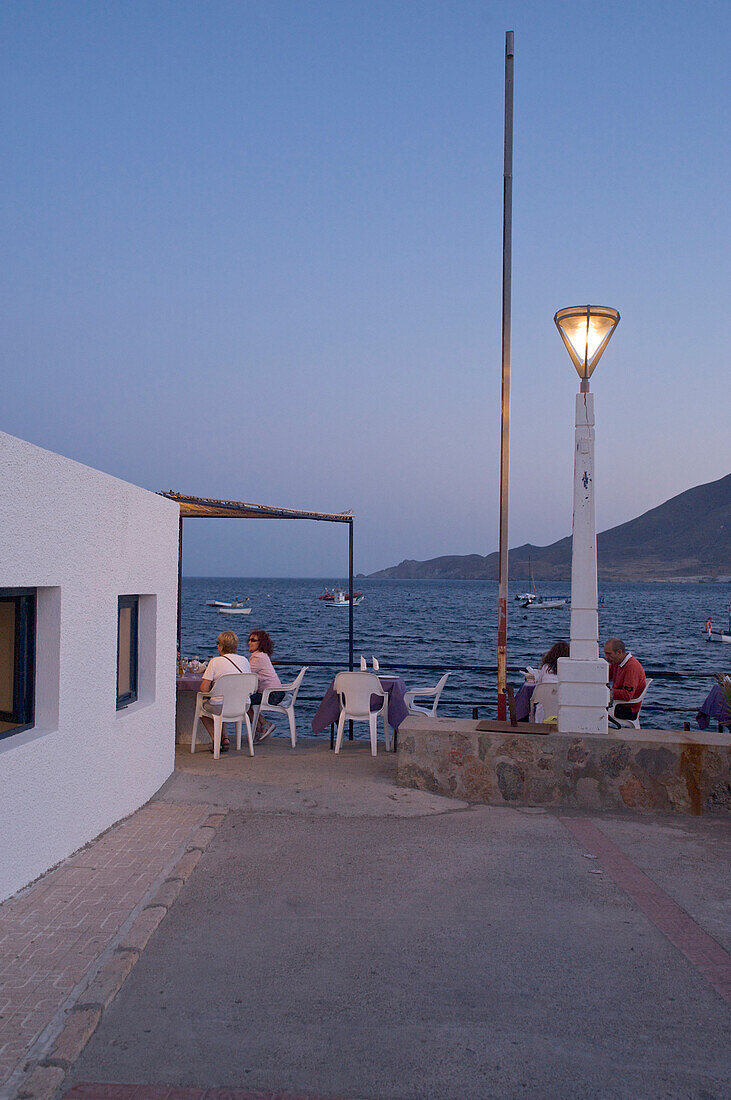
pixel 180 581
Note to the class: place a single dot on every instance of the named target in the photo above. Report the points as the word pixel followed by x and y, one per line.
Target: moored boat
pixel 341 598
pixel 239 610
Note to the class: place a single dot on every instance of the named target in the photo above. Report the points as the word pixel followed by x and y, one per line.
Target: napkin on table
pixel 376 665
pixel 363 664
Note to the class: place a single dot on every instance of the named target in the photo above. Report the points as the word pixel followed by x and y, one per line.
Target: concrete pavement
pixel 340 937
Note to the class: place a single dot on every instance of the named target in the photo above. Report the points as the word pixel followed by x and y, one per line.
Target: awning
pixel 204 508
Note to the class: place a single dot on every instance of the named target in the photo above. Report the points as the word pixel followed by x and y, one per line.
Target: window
pixel 17 659
pixel 128 617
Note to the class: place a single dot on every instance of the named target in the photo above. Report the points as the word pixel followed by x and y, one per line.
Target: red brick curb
pixel 88 1091
pixel 700 949
pixel 46 1077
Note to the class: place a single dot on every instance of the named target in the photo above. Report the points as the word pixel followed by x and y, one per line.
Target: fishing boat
pixel 341 598
pixel 227 603
pixel 239 609
pixel 718 635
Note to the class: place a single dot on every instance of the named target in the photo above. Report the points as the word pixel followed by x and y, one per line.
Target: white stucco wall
pixel 82 538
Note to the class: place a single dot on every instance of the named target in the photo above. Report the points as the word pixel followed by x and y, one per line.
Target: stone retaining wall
pixel 501 765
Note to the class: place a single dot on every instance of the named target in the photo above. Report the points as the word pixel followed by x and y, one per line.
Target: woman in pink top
pixel 261 648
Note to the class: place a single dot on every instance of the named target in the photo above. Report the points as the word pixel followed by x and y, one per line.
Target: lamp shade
pixel 586 331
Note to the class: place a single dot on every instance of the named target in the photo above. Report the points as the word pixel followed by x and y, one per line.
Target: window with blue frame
pixel 128 620
pixel 17 659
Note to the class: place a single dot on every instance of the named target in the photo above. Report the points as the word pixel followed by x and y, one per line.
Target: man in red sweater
pixel 627 677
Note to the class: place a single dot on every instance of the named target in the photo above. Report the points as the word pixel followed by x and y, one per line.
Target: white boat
pixel 342 599
pixel 226 603
pixel 542 603
pixel 239 609
pixel 533 601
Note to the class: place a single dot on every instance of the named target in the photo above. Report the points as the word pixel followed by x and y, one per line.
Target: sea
pixel 421 628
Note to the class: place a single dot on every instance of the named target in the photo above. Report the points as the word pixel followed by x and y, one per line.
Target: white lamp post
pixel 583 695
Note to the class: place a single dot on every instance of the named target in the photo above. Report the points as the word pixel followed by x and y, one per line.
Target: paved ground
pixel 342 938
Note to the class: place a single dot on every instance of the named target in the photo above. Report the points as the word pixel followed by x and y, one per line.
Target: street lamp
pixel 583 695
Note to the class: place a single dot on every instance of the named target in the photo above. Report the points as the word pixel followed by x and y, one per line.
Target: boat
pixel 341 598
pixel 226 603
pixel 533 601
pixel 233 607
pixel 718 635
pixel 545 603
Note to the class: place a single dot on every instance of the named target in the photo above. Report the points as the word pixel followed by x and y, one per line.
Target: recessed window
pixel 17 659
pixel 128 618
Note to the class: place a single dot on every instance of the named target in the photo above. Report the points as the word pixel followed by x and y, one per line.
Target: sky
pixel 253 251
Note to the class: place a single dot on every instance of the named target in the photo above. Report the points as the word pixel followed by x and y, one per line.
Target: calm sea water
pixel 453 624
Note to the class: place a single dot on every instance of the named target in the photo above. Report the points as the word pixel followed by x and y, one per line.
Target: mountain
pixel 686 538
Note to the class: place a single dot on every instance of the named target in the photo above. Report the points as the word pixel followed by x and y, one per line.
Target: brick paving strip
pixel 69 940
pixel 86 1091
pixel 707 955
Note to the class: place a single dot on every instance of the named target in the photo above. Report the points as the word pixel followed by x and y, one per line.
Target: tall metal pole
pixel 502 622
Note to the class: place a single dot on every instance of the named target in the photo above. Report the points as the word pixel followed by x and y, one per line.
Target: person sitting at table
pixel 626 678
pixel 546 674
pixel 261 648
pixel 227 663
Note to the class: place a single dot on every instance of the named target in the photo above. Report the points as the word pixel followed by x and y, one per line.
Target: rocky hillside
pixel 687 537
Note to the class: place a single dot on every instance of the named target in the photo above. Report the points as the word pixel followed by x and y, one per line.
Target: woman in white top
pixel 261 648
pixel 227 663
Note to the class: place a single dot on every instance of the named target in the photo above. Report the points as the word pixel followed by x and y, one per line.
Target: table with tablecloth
pixel 715 707
pixel 328 711
pixel 187 687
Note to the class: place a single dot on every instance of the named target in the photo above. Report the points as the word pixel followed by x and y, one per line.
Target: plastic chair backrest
pixel 294 687
pixel 357 688
pixel 547 694
pixel 235 688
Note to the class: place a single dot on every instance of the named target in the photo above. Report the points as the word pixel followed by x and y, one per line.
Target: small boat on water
pixel 531 600
pixel 718 635
pixel 542 603
pixel 227 603
pixel 341 598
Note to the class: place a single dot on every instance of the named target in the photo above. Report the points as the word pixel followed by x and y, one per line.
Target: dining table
pixel 328 711
pixel 187 687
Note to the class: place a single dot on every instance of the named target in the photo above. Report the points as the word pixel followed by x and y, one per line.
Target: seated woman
pixel 546 674
pixel 261 648
pixel 227 663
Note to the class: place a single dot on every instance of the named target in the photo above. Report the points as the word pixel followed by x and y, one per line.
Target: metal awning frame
pixel 207 508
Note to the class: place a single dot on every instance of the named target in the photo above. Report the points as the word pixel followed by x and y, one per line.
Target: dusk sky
pixel 253 251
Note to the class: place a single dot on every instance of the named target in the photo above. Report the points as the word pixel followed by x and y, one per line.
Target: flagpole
pixel 502 626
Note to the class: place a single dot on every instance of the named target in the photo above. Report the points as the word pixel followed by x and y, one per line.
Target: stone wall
pixel 491 762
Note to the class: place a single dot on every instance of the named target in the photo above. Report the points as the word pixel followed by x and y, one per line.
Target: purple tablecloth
pixel 191 681
pixel 522 701
pixel 715 706
pixel 329 709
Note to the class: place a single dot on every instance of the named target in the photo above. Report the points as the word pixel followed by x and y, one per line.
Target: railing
pixel 475 705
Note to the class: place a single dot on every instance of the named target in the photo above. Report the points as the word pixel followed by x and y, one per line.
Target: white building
pixel 88 611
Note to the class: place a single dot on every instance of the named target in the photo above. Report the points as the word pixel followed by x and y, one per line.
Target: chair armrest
pixel 421 693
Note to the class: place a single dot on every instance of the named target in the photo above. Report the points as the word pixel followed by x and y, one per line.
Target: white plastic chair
pixel 287 704
pixel 354 690
pixel 426 693
pixel 235 690
pixel 545 696
pixel 620 723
